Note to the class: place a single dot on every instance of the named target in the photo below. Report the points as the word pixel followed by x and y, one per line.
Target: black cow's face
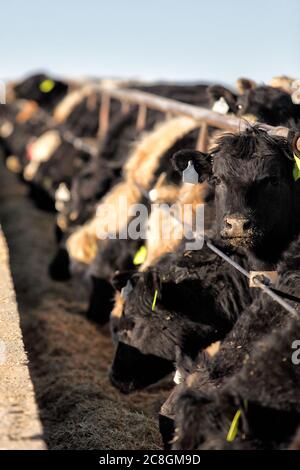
pixel 40 88
pixel 149 337
pixel 88 186
pixel 132 370
pixel 144 354
pixel 267 104
pixel 252 177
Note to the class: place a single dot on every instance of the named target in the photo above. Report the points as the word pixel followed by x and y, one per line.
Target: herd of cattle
pixel 172 310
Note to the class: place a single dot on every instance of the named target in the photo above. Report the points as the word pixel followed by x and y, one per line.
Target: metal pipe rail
pixel 144 100
pixel 173 107
pixel 257 282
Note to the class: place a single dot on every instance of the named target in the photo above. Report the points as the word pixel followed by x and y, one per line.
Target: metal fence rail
pixel 144 100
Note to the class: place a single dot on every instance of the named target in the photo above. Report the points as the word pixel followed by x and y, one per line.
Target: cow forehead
pixel 250 168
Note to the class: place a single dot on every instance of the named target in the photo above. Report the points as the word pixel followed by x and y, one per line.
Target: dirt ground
pixel 69 356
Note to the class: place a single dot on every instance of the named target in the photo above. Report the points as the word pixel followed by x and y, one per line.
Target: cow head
pixel 139 359
pixel 149 335
pixel 266 103
pixel 255 194
pixel 41 88
pixel 87 188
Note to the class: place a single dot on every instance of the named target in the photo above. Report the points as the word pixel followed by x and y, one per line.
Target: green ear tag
pixel 233 427
pixel 154 300
pixel 296 170
pixel 46 85
pixel 140 256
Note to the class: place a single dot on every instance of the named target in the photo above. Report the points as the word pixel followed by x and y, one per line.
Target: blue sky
pixel 169 39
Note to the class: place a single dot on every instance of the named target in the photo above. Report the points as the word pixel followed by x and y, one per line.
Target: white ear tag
pixel 221 106
pixel 177 377
pixel 190 175
pixel 62 193
pixel 126 290
pixel 153 195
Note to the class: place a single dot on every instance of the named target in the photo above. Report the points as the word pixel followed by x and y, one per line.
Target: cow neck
pixel 257 263
pixel 268 256
pixel 253 261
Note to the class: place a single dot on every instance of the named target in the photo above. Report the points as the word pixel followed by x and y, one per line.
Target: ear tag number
pixel 190 175
pixel 126 290
pixel 296 170
pixel 221 106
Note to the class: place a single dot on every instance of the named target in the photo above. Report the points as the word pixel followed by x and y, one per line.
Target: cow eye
pixel 272 180
pixel 240 106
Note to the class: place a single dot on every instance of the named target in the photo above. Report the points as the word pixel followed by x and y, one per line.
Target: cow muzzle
pixel 132 370
pixel 237 228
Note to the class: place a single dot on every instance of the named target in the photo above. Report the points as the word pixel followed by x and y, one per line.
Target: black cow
pixel 257 322
pixel 255 193
pixel 264 388
pixel 92 183
pixel 22 122
pixel 116 150
pixel 44 89
pixel 66 161
pixel 63 165
pixel 271 96
pixel 193 309
pixel 95 179
pixel 117 255
pixel 255 200
pixel 268 104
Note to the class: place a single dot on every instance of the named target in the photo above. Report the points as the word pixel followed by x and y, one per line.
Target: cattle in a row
pixel 174 309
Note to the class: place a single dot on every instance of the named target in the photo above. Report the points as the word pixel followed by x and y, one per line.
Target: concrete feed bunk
pixel 20 427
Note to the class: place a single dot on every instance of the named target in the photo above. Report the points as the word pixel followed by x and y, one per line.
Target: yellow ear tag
pixel 140 255
pixel 154 300
pixel 233 427
pixel 46 85
pixel 296 170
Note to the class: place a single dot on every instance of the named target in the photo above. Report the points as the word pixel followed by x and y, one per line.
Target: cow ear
pixel 201 161
pixel 217 93
pixel 245 84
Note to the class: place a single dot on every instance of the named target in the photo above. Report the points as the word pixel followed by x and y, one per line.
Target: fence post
pixel 202 138
pixel 141 117
pixel 125 107
pixel 104 115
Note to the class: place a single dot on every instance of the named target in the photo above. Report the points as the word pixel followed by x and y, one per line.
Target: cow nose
pixel 236 225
